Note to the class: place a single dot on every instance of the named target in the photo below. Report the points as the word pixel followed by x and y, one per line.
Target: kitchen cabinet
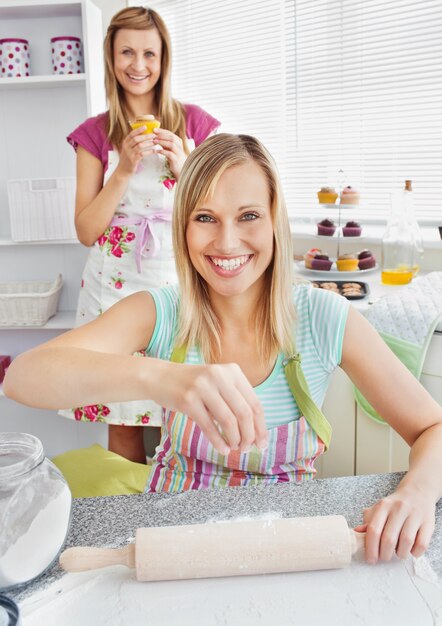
pixel 36 115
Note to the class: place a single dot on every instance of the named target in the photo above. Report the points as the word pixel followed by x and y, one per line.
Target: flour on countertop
pixel 265 517
pixel 428 584
pixel 360 595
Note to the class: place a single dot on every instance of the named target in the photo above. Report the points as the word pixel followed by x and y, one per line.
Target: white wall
pixel 108 9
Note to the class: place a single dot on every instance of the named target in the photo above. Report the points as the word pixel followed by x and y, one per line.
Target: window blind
pixel 342 92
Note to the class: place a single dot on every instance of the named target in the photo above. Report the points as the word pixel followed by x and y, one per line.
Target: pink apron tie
pixel 145 233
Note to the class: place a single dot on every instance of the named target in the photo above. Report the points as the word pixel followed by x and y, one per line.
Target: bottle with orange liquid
pixel 402 243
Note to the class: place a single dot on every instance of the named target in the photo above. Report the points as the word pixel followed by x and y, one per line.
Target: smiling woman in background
pixel 125 191
pixel 223 354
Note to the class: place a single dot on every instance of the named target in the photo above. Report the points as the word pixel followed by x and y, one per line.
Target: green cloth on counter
pixel 94 471
pixel 412 356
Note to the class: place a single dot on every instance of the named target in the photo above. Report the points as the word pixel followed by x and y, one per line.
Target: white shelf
pixel 25 9
pixel 54 242
pixel 371 234
pixel 63 320
pixel 42 82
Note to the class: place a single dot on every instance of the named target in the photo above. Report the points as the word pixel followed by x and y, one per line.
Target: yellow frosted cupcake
pixel 148 121
pixel 327 195
pixel 347 263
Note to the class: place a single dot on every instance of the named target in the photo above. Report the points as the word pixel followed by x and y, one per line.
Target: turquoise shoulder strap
pixel 300 391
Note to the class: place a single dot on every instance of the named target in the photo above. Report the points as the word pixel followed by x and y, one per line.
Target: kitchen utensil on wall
pixel 67 55
pixel 236 548
pixel 35 509
pixel 15 57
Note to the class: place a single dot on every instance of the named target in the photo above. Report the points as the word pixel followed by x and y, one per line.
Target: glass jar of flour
pixel 35 510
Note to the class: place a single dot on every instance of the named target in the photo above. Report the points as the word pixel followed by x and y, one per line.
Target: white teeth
pixel 230 264
pixel 137 77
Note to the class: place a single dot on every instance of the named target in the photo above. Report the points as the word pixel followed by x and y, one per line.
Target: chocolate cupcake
pixel 321 262
pixel 326 227
pixel 366 260
pixel 352 229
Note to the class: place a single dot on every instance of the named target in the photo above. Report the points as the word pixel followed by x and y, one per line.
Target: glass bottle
pixel 402 242
pixel 418 251
pixel 35 510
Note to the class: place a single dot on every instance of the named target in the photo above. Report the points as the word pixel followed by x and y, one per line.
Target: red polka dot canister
pixel 67 55
pixel 14 58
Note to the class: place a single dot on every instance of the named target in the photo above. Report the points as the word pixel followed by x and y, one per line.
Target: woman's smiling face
pixel 230 236
pixel 137 59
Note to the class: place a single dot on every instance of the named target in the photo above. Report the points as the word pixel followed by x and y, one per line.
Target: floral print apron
pixel 187 460
pixel 134 253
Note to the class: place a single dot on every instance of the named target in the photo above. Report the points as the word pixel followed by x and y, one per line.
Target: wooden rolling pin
pixel 236 548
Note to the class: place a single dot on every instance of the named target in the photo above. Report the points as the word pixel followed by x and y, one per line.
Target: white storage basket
pixel 29 303
pixel 42 209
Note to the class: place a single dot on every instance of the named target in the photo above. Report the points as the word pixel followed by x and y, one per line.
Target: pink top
pixel 91 134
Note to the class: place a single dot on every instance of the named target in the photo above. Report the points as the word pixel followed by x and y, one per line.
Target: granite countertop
pixel 112 521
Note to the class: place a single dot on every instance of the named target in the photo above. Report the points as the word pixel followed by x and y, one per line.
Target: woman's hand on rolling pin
pixel 172 148
pixel 218 398
pixel 135 146
pixel 401 523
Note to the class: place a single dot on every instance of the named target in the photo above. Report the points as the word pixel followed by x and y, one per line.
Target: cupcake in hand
pixel 352 229
pixel 326 227
pixel 321 262
pixel 347 263
pixel 327 195
pixel 349 195
pixel 366 260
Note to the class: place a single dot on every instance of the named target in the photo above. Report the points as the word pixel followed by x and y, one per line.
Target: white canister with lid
pixel 67 55
pixel 15 57
pixel 35 510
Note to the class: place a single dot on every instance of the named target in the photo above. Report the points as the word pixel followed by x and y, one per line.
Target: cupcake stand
pixel 329 264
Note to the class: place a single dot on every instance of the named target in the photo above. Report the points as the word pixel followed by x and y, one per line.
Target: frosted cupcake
pixel 347 263
pixel 352 229
pixel 326 227
pixel 309 256
pixel 349 196
pixel 148 121
pixel 366 260
pixel 321 262
pixel 327 195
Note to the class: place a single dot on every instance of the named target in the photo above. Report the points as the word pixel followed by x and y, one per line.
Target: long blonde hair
pixel 171 112
pixel 274 317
